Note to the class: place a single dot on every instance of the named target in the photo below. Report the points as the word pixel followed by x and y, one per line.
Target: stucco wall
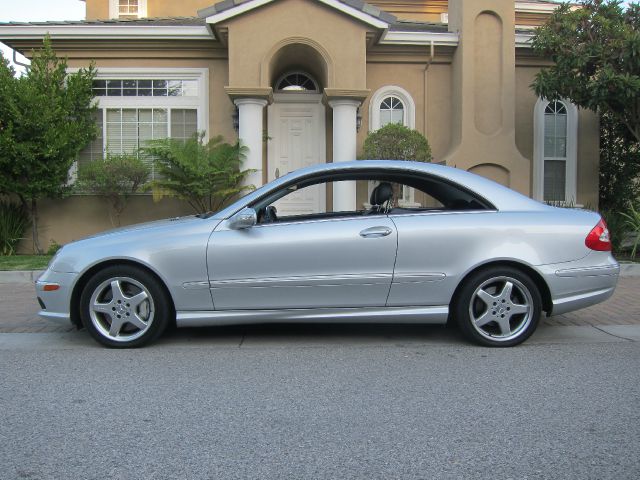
pixel 434 121
pixel 78 216
pixel 588 137
pixel 340 41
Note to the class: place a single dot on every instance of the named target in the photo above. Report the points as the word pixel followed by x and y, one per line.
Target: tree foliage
pixel 46 118
pixel 619 165
pixel 397 142
pixel 206 175
pixel 115 179
pixel 596 55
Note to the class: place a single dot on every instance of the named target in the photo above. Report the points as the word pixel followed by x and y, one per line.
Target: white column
pixel 344 149
pixel 250 134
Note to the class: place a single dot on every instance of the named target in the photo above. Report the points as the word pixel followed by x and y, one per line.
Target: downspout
pixel 432 51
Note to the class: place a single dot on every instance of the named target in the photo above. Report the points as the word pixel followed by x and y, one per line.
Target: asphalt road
pixel 382 406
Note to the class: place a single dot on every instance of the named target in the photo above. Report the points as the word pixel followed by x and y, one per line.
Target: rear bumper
pixel 582 300
pixel 581 284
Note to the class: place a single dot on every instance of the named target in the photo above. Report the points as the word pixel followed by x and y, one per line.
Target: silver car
pixel 425 244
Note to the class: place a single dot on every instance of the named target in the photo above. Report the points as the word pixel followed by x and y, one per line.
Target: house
pixel 303 81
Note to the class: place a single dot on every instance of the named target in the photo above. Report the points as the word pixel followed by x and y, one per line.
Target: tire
pixel 498 307
pixel 124 306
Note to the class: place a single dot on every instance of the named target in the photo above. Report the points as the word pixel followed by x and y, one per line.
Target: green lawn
pixel 24 262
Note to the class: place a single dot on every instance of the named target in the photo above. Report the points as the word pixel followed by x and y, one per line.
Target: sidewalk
pixel 19 308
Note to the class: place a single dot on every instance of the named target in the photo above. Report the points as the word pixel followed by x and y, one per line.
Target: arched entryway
pixel 296 122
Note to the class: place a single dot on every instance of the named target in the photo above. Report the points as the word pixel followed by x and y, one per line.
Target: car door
pixel 328 262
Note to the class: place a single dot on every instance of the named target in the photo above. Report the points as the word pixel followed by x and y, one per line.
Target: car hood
pixel 132 242
pixel 169 222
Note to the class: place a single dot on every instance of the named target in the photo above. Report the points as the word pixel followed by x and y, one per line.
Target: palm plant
pixel 205 175
pixel 13 223
pixel 633 223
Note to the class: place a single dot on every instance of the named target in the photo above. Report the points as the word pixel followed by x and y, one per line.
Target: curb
pixel 630 269
pixel 30 276
pixel 19 276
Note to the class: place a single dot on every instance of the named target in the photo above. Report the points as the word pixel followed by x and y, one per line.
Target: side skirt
pixel 424 315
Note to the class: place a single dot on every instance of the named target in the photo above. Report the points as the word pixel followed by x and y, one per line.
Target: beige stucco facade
pixel 462 68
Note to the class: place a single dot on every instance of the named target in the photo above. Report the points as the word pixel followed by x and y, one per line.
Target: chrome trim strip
pixel 316 280
pixel 418 277
pixel 589 271
pixel 196 285
pixel 424 315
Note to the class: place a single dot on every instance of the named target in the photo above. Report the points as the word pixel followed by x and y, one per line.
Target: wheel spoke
pixel 517 308
pixel 137 299
pixel 102 308
pixel 506 291
pixel 136 321
pixel 486 297
pixel 116 290
pixel 116 326
pixel 483 319
pixel 505 327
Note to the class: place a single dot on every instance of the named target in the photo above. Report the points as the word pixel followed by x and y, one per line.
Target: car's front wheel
pixel 498 306
pixel 124 306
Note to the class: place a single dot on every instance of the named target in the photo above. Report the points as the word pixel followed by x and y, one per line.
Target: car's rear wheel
pixel 124 306
pixel 498 307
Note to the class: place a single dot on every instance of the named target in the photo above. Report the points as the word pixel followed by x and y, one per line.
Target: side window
pixel 299 202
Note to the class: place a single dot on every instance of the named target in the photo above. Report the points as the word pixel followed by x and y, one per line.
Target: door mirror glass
pixel 245 218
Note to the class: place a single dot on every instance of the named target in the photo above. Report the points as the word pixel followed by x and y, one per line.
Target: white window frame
pixel 391 91
pixel 199 102
pixel 409 120
pixel 571 178
pixel 114 11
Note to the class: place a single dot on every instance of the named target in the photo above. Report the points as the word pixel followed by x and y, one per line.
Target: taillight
pixel 598 238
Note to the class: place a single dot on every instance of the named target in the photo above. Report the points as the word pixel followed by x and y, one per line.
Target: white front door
pixel 297 140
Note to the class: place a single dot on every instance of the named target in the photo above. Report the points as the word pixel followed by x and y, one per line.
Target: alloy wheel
pixel 121 309
pixel 501 308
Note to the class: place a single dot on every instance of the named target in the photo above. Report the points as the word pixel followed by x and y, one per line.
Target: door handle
pixel 375 232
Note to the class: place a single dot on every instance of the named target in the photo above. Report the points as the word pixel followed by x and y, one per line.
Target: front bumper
pixel 55 304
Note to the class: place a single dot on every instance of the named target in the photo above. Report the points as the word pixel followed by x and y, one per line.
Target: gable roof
pixel 355 8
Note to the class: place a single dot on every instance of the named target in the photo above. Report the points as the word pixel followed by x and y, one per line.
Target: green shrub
pixel 397 142
pixel 53 247
pixel 14 219
pixel 115 179
pixel 205 175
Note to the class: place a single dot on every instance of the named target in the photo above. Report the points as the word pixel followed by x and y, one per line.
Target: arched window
pixel 391 111
pixel 296 82
pixel 555 151
pixel 391 104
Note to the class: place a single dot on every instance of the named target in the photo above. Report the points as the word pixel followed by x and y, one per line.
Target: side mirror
pixel 245 218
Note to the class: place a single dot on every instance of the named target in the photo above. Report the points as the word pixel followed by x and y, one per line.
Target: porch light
pixel 358 120
pixel 235 119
